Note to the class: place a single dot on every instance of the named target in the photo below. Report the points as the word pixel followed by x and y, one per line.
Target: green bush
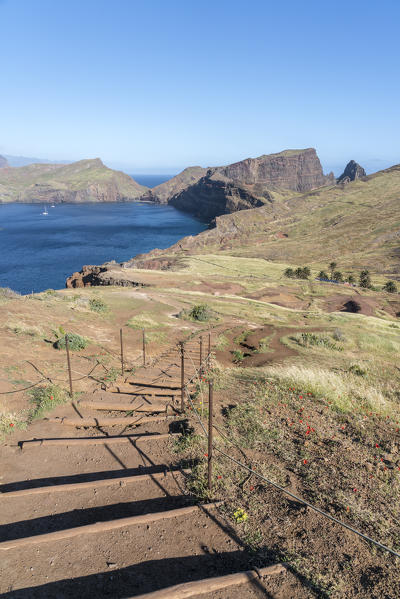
pixel 365 279
pixel 44 399
pixel 98 305
pixel 390 287
pixel 323 275
pixel 198 313
pixel 289 273
pixel 75 342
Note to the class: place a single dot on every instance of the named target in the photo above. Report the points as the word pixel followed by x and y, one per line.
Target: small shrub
pixel 96 304
pixel 9 421
pixel 351 279
pixel 390 287
pixel 238 356
pixel 357 370
pixel 289 273
pixel 75 342
pixel 44 399
pixel 323 275
pixel 198 313
pixel 338 276
pixel 365 279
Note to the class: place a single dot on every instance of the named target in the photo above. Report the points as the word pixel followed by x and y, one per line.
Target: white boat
pixel 52 206
pixel 44 211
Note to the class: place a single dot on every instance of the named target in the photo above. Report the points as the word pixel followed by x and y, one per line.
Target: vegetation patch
pixel 198 313
pixel 144 321
pixel 315 340
pixel 45 398
pixel 96 304
pixel 75 342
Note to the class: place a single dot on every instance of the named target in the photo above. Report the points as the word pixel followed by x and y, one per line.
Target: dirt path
pixel 99 512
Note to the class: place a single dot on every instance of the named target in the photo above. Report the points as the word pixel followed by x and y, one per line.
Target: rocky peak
pixel 296 170
pixel 352 172
pixel 3 162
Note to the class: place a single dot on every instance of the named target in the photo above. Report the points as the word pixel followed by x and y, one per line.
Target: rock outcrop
pixel 352 172
pixel 211 192
pixel 83 181
pixel 3 162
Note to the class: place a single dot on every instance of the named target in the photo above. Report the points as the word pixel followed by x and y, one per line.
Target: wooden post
pixel 210 432
pixel 144 347
pixel 69 365
pixel 209 349
pixel 122 352
pixel 182 347
pixel 201 352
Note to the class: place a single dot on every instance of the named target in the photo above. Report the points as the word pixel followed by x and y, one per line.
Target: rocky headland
pixel 82 181
pixel 245 184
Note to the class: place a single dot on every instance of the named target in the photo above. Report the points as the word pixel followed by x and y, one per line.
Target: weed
pixel 9 421
pixel 311 339
pixel 357 370
pixel 44 399
pixel 238 356
pixel 96 304
pixel 198 313
pixel 21 328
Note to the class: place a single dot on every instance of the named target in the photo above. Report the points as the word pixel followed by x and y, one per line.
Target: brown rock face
pixel 214 195
pixel 297 170
pixel 246 184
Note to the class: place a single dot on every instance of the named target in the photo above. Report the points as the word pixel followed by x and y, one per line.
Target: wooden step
pixel 103 482
pixel 209 585
pixel 95 440
pixel 118 406
pixel 131 388
pixel 97 527
pixel 109 421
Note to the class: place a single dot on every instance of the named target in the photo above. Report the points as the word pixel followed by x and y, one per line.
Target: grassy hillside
pixel 358 225
pixel 86 180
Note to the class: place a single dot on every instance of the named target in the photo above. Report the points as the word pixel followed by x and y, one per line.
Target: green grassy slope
pixel 86 180
pixel 357 224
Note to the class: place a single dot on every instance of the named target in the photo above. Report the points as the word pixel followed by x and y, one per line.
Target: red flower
pixel 251 488
pixel 219 476
pixel 206 455
pixel 51 397
pixel 376 445
pixel 304 461
pixel 11 424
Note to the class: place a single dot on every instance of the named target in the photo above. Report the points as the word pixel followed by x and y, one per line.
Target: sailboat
pixel 45 213
pixel 52 206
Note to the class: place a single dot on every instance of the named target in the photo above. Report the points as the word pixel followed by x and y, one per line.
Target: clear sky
pixel 157 85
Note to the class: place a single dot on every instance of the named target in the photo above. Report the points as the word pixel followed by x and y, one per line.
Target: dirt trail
pixel 122 556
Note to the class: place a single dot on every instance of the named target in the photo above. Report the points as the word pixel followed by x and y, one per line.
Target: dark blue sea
pixel 39 252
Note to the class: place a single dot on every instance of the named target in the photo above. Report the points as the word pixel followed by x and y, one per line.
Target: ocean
pixel 39 252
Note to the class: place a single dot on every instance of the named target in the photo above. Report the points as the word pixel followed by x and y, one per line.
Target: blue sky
pixel 157 85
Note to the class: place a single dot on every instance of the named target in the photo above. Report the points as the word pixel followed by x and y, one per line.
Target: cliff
pixel 83 181
pixel 246 184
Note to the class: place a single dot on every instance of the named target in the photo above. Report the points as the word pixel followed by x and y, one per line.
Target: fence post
pixel 144 347
pixel 210 432
pixel 201 352
pixel 69 365
pixel 209 349
pixel 122 352
pixel 182 348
